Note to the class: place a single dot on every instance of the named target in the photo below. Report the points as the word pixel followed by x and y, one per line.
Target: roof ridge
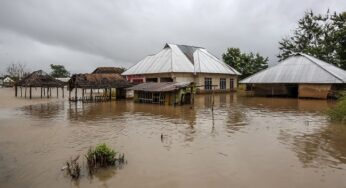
pixel 219 61
pixel 308 57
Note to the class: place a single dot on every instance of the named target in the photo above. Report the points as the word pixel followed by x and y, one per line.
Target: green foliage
pixel 246 64
pixel 102 156
pixel 338 112
pixel 59 71
pixel 322 36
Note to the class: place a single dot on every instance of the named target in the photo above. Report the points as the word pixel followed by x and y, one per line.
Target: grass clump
pixel 338 112
pixel 102 156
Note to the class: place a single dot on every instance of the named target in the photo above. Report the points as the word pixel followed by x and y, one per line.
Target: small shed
pixel 42 80
pixel 300 75
pixel 112 86
pixel 7 81
pixel 171 93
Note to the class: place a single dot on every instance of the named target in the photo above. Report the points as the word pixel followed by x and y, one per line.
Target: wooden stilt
pixel 57 92
pixel 91 94
pixel 21 93
pixel 63 92
pixel 25 91
pixel 30 93
pixel 83 90
pixel 15 91
pixel 47 92
pixel 41 92
pixel 75 94
pixel 110 94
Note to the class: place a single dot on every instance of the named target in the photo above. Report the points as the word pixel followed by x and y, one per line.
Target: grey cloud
pixel 85 34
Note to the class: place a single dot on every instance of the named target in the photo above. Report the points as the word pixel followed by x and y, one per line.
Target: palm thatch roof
pixel 97 81
pixel 108 70
pixel 40 79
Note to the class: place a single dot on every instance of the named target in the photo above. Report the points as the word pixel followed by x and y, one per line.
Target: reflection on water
pixel 243 142
pixel 324 146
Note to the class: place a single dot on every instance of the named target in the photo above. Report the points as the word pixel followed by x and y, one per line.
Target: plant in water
pixel 103 156
pixel 338 112
pixel 73 168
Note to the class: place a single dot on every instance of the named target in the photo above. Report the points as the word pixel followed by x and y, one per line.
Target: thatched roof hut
pixel 108 70
pixel 97 81
pixel 39 79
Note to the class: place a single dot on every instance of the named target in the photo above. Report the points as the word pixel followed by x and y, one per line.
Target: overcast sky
pixel 84 34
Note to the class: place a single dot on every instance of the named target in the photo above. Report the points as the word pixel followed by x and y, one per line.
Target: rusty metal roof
pixel 299 68
pixel 160 87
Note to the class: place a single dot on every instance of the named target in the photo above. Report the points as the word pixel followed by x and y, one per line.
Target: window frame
pixel 208 83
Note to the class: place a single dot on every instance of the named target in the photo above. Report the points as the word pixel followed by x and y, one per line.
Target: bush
pixel 103 156
pixel 338 112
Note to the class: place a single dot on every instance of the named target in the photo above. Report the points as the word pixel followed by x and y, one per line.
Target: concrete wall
pixel 317 91
pixel 198 79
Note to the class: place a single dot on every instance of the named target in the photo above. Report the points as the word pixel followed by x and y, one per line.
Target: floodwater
pixel 246 142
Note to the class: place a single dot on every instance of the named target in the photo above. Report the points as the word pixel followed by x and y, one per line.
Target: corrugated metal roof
pixel 160 87
pixel 181 58
pixel 299 68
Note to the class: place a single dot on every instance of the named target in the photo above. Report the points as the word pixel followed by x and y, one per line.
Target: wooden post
pixel 63 92
pixel 30 92
pixel 47 92
pixel 25 91
pixel 15 91
pixel 110 94
pixel 75 94
pixel 57 92
pixel 21 93
pixel 69 94
pixel 50 92
pixel 91 94
pixel 41 92
pixel 83 90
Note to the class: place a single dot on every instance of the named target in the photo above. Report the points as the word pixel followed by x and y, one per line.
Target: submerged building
pixel 300 75
pixel 169 93
pixel 182 63
pixel 106 79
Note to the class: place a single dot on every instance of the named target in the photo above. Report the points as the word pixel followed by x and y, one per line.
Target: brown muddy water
pixel 249 142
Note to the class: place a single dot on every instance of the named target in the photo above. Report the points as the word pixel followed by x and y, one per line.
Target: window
pixel 231 83
pixel 151 80
pixel 166 79
pixel 207 84
pixel 222 83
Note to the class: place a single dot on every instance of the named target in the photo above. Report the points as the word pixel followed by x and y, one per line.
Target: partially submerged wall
pixel 317 91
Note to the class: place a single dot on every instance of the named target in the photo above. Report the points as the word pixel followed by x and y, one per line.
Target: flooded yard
pixel 248 142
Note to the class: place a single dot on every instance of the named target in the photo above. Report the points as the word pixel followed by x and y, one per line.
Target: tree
pixel 16 71
pixel 59 71
pixel 246 64
pixel 322 36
